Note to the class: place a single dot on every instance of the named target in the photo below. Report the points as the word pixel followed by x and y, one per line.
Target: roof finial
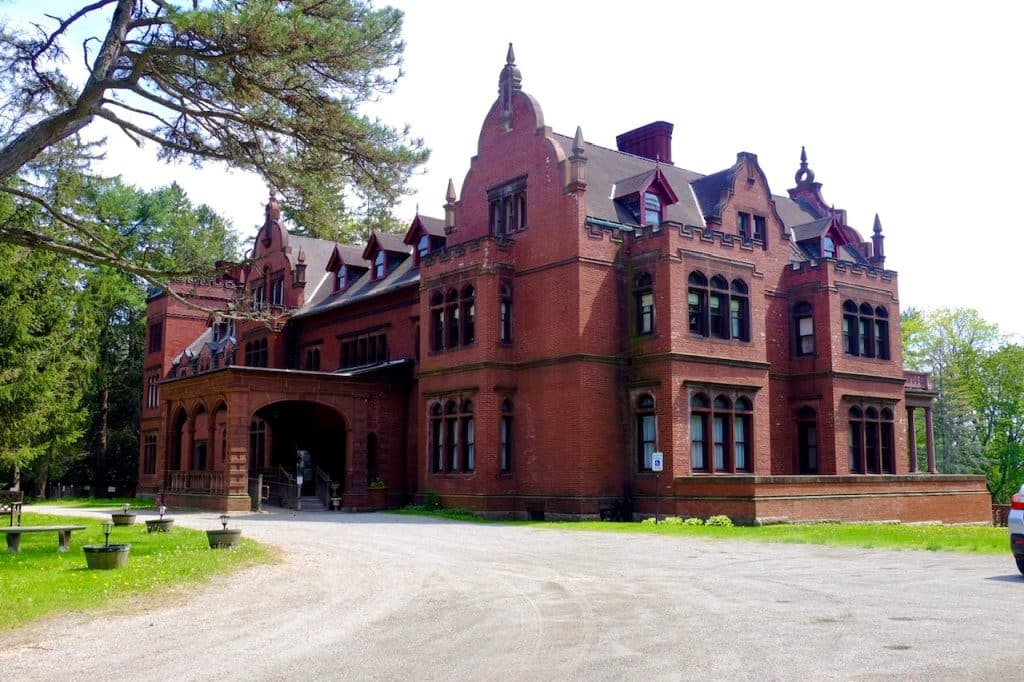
pixel 577 142
pixel 450 194
pixel 804 175
pixel 510 58
pixel 878 225
pixel 417 208
pixel 509 81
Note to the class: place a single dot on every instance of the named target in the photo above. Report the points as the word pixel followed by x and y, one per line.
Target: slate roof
pixel 611 174
pixel 433 226
pixel 364 288
pixel 815 228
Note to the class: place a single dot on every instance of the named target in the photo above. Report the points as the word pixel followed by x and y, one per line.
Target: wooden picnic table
pixel 63 535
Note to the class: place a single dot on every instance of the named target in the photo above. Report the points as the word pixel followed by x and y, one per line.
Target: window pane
pixel 697 460
pixel 719 429
pixel 740 442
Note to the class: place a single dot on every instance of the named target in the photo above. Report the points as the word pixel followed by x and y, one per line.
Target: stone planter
pixel 122 519
pixel 378 498
pixel 223 538
pixel 159 525
pixel 106 556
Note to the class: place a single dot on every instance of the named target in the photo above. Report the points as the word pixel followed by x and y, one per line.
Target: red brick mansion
pixel 580 313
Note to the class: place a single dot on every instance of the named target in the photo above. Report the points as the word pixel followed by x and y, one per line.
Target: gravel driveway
pixel 382 596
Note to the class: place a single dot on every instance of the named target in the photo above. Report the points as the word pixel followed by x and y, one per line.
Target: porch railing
pixel 281 488
pixel 323 486
pixel 918 380
pixel 214 482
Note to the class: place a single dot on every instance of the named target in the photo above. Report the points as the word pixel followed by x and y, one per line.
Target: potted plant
pixel 124 517
pixel 224 537
pixel 378 494
pixel 106 556
pixel 160 525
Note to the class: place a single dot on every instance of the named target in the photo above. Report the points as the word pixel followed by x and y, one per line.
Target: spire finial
pixel 417 209
pixel 509 81
pixel 510 58
pixel 450 194
pixel 577 142
pixel 804 175
pixel 878 225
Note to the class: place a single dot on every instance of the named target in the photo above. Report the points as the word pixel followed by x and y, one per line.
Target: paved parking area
pixel 381 596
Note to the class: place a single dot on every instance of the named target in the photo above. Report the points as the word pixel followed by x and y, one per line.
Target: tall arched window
pixel 467 436
pixel 855 440
pixel 646 432
pixel 505 437
pixel 803 328
pixel 699 416
pixel 643 300
pixel 451 300
pixel 739 311
pixel 850 336
pixel 720 423
pixel 437 321
pixel 718 306
pixel 881 333
pixel 505 313
pixel 468 302
pixel 697 303
pixel 742 433
pixel 436 438
pixel 807 436
pixel 451 435
pixel 865 331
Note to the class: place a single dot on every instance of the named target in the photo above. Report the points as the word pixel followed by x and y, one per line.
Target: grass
pixel 927 537
pixel 113 503
pixel 39 581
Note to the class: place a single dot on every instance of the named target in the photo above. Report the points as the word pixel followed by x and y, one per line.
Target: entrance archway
pixel 300 437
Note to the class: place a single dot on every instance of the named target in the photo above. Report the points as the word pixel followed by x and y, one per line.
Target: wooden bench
pixel 63 535
pixel 10 505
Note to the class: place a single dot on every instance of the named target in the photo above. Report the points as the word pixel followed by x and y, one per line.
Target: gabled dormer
pixel 425 235
pixel 384 252
pixel 346 265
pixel 828 237
pixel 645 197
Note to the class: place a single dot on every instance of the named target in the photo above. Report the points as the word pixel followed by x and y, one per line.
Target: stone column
pixel 929 432
pixel 912 439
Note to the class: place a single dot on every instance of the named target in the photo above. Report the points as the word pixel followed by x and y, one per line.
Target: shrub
pixel 720 520
pixel 672 521
pixel 431 502
pixel 693 521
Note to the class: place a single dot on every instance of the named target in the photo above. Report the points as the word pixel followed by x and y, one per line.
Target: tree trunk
pixel 43 473
pixel 102 437
pixel 16 482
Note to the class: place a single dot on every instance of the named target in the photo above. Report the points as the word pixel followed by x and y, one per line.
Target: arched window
pixel 803 328
pixel 437 321
pixel 855 440
pixel 467 436
pixel 697 302
pixel 807 440
pixel 739 311
pixel 505 437
pixel 646 432
pixel 643 298
pixel 721 433
pixel 865 331
pixel 850 337
pixel 505 313
pixel 718 305
pixel 885 436
pixel 742 433
pixel 436 438
pixel 881 333
pixel 451 435
pixel 699 415
pixel 468 314
pixel 452 314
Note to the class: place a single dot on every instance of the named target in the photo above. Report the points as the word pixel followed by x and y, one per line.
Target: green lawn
pixel 977 539
pixel 39 581
pixel 112 503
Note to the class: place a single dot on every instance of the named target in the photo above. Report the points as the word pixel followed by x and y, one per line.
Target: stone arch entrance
pixel 300 437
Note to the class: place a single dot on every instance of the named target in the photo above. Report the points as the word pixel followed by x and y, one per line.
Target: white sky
pixel 907 109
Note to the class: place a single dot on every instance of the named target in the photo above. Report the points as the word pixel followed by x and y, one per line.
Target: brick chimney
pixel 652 141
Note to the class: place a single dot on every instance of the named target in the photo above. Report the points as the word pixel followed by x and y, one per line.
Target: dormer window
pixel 828 247
pixel 652 209
pixel 341 278
pixel 423 246
pixel 380 265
